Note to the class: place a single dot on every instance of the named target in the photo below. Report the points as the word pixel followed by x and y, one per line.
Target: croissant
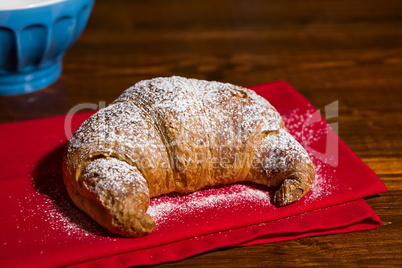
pixel 179 135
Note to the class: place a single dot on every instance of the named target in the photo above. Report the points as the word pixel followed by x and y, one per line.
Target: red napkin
pixel 41 227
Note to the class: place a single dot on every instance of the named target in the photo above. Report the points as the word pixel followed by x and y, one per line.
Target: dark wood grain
pixel 345 50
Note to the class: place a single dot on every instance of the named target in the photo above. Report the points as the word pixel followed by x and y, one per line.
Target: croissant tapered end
pixel 296 186
pixel 281 162
pixel 288 193
pixel 130 224
pixel 113 193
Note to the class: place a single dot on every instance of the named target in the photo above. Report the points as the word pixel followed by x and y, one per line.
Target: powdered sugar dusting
pixel 112 180
pixel 210 119
pixel 308 135
pixel 322 185
pixel 162 117
pixel 51 203
pixel 166 208
pixel 236 196
pixel 281 152
pixel 178 121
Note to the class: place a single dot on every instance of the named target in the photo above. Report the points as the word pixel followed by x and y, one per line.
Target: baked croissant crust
pixel 177 134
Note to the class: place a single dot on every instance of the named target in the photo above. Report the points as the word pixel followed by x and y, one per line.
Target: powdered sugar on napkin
pixel 52 205
pixel 234 196
pixel 308 135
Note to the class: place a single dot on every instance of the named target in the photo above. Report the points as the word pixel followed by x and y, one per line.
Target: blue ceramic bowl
pixel 34 39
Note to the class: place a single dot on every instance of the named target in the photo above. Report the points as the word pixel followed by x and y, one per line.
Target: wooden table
pixel 345 50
